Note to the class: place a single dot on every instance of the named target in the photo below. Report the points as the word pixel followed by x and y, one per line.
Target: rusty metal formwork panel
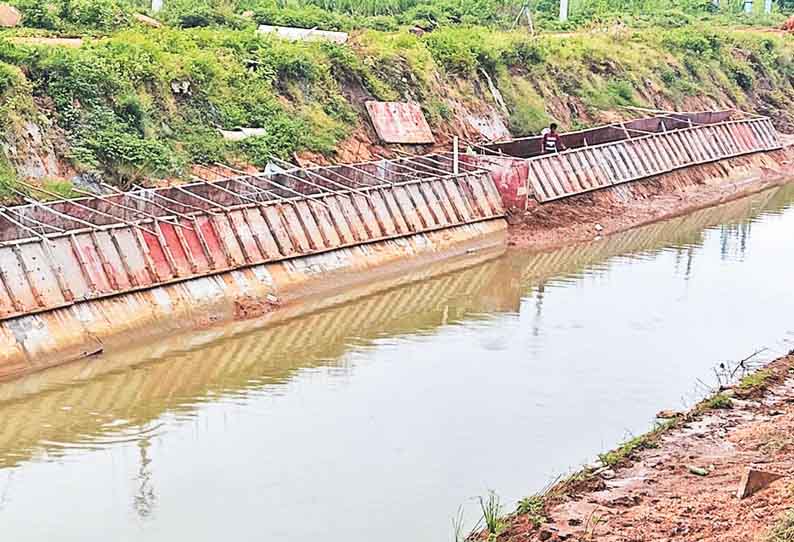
pixel 399 122
pixel 43 272
pixel 584 169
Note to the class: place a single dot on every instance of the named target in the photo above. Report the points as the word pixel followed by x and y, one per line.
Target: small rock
pixel 544 534
pixel 574 522
pixel 699 471
pixel 9 16
pixel 668 414
pixel 608 474
pixel 754 480
pixel 148 21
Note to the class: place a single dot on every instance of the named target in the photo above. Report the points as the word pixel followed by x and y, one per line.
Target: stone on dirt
pixel 9 16
pixel 699 471
pixel 148 21
pixel 668 414
pixel 754 480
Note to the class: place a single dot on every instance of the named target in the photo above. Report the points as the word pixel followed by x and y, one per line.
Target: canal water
pixel 377 420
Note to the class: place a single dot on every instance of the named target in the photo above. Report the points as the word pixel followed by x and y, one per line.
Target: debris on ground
pixel 755 480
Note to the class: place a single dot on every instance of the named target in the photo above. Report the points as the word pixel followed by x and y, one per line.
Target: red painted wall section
pixel 510 177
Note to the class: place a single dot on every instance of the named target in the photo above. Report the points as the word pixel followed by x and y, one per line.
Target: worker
pixel 552 141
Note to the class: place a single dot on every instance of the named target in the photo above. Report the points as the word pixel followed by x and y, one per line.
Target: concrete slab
pixel 303 34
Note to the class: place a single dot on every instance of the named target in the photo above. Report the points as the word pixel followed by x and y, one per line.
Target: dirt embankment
pixel 681 483
pixel 595 214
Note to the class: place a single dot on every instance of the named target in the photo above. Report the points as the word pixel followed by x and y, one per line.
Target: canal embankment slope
pixel 683 480
pixel 590 216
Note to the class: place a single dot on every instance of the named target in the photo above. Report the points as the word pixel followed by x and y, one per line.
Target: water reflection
pixel 378 418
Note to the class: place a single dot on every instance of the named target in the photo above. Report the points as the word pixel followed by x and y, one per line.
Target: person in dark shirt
pixel 552 142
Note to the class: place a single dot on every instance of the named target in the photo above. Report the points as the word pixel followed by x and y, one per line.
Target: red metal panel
pixel 397 122
pixel 216 249
pixel 492 194
pixel 511 178
pixel 382 212
pixel 314 235
pixel 197 250
pixel 365 212
pixel 158 257
pixel 421 206
pixel 178 253
pixel 346 234
pixel 112 261
pixel 327 224
pixel 407 208
pixel 457 199
pixel 16 281
pixel 295 228
pixel 276 225
pixel 353 220
pixel 70 269
pixel 93 264
pixel 261 233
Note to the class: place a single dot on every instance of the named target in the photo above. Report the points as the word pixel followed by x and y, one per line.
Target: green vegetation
pixel 491 507
pixel 783 530
pixel 136 103
pixel 534 508
pixel 625 451
pixel 757 380
pixel 719 401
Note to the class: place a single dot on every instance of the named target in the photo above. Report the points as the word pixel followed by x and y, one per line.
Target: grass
pixel 756 381
pixel 719 401
pixel 533 507
pixel 783 529
pixel 491 508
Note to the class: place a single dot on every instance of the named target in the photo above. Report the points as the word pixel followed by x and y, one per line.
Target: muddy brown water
pixel 377 419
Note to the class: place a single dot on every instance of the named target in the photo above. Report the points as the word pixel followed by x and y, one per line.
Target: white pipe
pixel 563 10
pixel 157 5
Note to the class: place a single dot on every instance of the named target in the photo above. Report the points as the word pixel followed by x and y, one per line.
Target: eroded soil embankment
pixel 589 216
pixel 681 483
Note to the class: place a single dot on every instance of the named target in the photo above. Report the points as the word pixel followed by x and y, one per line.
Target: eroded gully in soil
pixel 377 419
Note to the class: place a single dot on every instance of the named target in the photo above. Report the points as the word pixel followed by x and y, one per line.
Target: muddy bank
pixel 590 216
pixel 680 481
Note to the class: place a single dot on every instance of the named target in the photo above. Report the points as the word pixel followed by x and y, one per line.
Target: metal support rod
pixel 163 207
pixel 333 170
pixel 213 204
pixel 56 213
pixel 157 193
pixel 258 190
pixel 325 179
pixel 441 156
pixel 216 186
pixel 304 181
pixel 22 226
pixel 381 181
pixel 113 203
pixel 39 223
pixel 425 175
pixel 455 156
pixel 263 177
pixel 85 207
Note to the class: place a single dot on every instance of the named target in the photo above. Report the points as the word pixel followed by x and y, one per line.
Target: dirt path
pixel 680 484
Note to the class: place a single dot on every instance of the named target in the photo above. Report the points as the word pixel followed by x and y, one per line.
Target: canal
pixel 376 420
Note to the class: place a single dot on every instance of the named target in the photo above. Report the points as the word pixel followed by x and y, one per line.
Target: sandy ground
pixel 590 216
pixel 654 495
